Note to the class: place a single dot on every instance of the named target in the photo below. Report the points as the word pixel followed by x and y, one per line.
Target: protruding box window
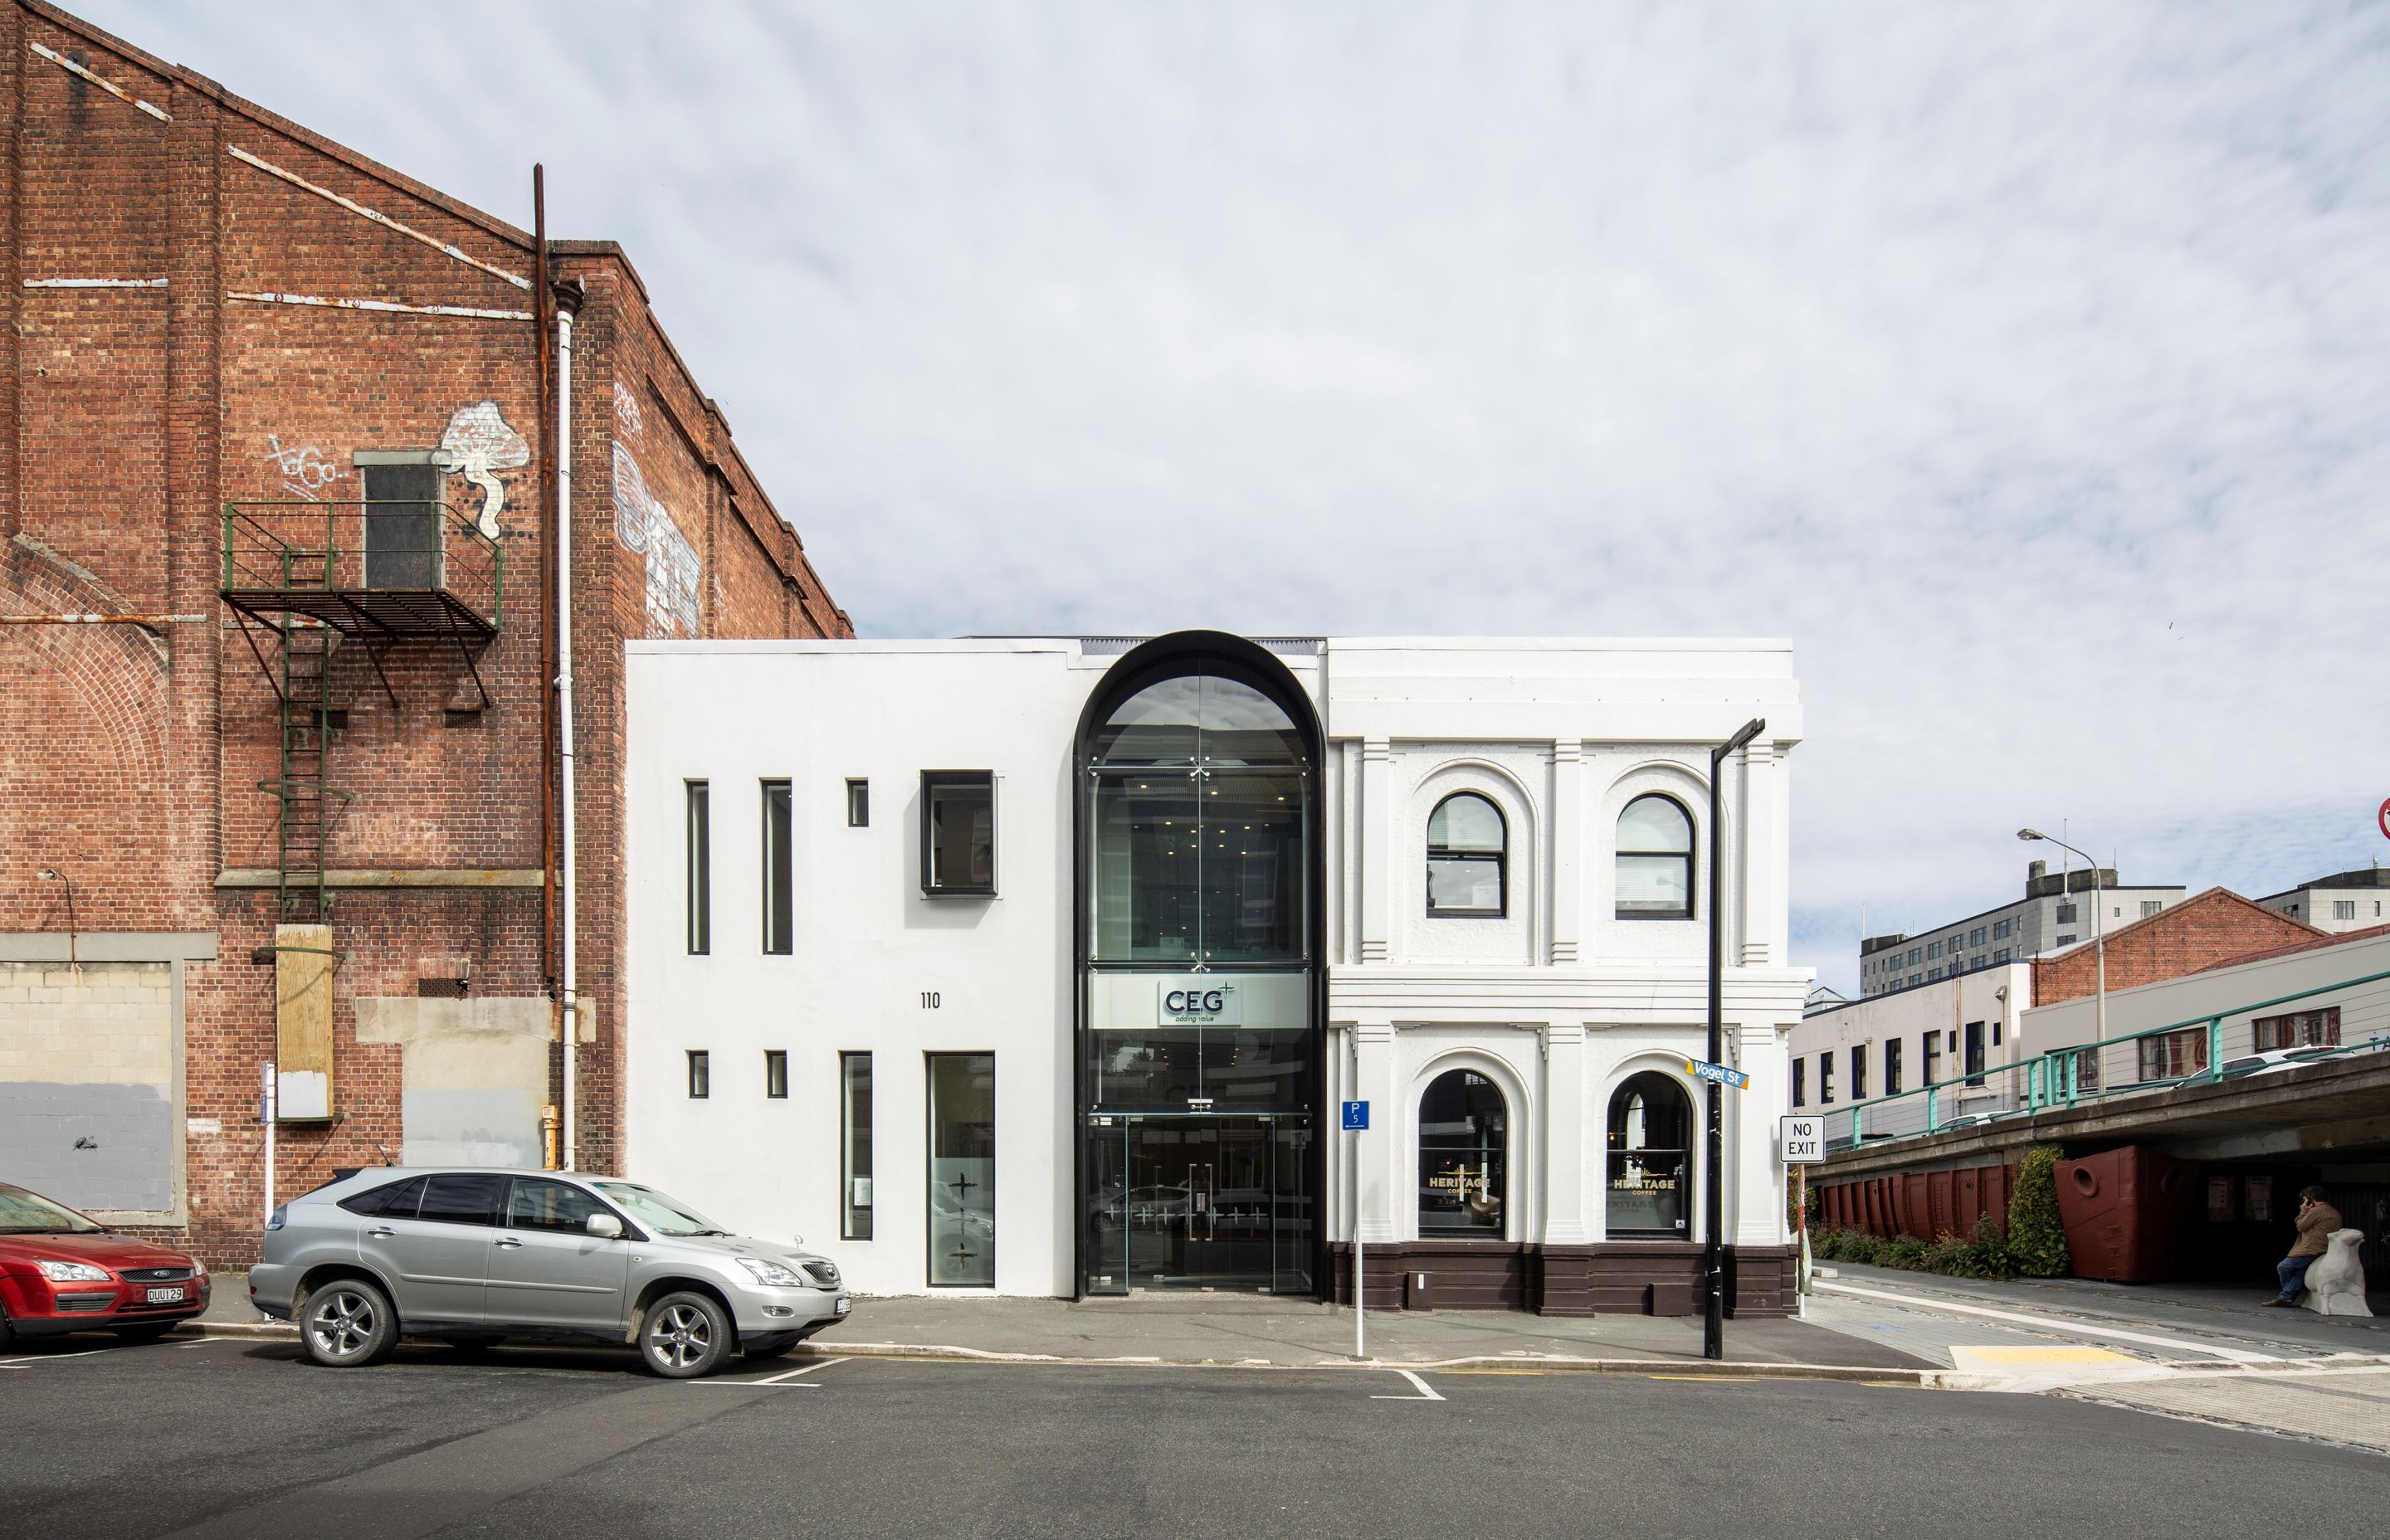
pixel 958 833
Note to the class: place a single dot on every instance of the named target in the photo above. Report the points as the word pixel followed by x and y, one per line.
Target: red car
pixel 60 1271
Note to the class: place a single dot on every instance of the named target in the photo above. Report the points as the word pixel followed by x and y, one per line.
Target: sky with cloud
pixel 2027 366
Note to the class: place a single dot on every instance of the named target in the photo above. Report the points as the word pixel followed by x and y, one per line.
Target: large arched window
pixel 1655 860
pixel 1463 1150
pixel 1466 850
pixel 1650 1145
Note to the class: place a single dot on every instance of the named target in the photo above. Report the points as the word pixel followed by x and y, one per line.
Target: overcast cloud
pixel 2028 368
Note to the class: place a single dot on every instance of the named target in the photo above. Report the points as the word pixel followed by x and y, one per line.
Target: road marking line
pixel 51 1357
pixel 2051 1324
pixel 805 1368
pixel 1426 1392
pixel 784 1381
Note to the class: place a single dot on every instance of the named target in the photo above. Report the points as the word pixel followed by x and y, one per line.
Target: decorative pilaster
pixel 1377 853
pixel 1565 1130
pixel 1567 850
pixel 1755 1196
pixel 1378 1170
pixel 1762 870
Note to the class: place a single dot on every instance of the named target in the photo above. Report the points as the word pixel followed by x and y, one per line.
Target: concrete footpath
pixel 1259 1331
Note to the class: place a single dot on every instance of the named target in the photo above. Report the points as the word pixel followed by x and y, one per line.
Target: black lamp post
pixel 1714 1172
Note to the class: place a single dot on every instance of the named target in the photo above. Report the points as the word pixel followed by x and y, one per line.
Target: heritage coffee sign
pixel 1198 1002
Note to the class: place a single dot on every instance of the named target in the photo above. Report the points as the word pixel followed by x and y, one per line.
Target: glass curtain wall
pixel 1198 824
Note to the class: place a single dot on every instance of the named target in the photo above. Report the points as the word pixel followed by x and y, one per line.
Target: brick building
pixel 2203 931
pixel 273 564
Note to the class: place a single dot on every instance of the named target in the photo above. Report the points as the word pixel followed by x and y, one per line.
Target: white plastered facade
pixel 1557 1002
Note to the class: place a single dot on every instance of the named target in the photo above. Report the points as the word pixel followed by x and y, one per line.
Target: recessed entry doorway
pixel 1200 1202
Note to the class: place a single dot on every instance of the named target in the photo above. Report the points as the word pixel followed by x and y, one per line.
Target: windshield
pixel 23 1212
pixel 663 1214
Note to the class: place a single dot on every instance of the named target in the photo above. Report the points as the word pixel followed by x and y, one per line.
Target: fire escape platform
pixel 383 612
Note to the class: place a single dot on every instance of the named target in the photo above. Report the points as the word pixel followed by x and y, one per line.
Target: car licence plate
pixel 165 1296
pixel 845 1305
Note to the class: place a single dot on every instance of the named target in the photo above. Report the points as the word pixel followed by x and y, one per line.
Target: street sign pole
pixel 1357 1122
pixel 1714 1185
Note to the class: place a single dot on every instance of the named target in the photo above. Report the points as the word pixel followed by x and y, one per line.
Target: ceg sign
pixel 1196 1002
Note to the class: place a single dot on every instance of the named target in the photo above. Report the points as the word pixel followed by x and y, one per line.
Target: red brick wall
pixel 132 415
pixel 2203 931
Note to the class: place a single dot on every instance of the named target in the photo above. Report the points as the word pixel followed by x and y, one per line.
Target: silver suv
pixel 473 1256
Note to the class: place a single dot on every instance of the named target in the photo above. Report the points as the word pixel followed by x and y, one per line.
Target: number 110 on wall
pixel 929 999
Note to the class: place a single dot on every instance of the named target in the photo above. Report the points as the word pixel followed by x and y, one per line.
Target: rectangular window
pixel 2066 914
pixel 1858 1072
pixel 2344 908
pixel 1892 1086
pixel 2086 1070
pixel 2172 1055
pixel 2002 930
pixel 1975 936
pixel 776 1073
pixel 958 833
pixel 1933 949
pixel 858 804
pixel 1996 1033
pixel 2000 956
pixel 1799 1083
pixel 2150 906
pixel 2306 1029
pixel 855 1146
pixel 2067 939
pixel 1826 1078
pixel 701 1074
pixel 1915 955
pixel 962 1169
pixel 1932 974
pixel 700 869
pixel 780 872
pixel 401 520
pixel 1932 1043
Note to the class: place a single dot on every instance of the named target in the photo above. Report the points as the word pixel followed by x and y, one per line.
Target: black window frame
pixel 934 782
pixel 701 1074
pixel 777 887
pixel 1892 1067
pixel 1499 856
pixel 855 1220
pixel 776 1074
pixel 859 801
pixel 498 1187
pixel 1691 851
pixel 1434 1223
pixel 697 834
pixel 1858 1072
pixel 1799 1080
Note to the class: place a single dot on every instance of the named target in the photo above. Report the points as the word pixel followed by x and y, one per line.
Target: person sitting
pixel 2318 1219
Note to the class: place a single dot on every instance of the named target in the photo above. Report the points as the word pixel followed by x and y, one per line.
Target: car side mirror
pixel 605 1227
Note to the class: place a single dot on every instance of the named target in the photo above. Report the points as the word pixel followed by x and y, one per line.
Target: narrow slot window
pixel 854 1144
pixel 700 869
pixel 858 804
pixel 701 1074
pixel 780 925
pixel 776 1073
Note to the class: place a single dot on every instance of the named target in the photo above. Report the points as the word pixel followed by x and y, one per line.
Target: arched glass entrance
pixel 1199 1065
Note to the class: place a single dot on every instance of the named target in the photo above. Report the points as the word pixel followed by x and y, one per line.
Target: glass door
pixel 1198 1202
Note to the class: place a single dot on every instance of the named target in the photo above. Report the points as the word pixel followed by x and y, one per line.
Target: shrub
pixel 2037 1238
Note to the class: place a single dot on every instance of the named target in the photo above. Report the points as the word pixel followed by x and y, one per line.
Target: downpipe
pixel 568 969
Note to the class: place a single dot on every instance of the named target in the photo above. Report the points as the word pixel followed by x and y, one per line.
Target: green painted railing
pixel 383 546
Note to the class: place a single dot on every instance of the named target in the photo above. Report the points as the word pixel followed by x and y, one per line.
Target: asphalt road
pixel 228 1438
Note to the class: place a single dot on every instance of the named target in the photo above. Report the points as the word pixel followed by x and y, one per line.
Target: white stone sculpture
pixel 2337 1281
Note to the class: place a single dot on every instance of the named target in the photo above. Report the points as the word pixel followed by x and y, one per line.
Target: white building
pixel 2056 911
pixel 1042 965
pixel 2339 904
pixel 1958 1032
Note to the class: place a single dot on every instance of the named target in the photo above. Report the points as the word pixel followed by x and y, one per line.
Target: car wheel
pixel 773 1347
pixel 147 1331
pixel 7 1332
pixel 684 1336
pixel 349 1324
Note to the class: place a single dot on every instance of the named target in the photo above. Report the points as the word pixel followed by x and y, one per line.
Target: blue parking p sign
pixel 1356 1117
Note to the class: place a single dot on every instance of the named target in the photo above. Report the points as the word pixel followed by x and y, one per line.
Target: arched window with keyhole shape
pixel 1655 860
pixel 1468 850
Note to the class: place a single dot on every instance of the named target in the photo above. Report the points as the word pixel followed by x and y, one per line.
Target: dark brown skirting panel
pixel 1617 1278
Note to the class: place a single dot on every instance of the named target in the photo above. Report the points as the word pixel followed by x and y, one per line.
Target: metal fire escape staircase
pixel 312 575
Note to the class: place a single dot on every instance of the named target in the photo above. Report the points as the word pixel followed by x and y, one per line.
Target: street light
pixel 2099 932
pixel 1713 1183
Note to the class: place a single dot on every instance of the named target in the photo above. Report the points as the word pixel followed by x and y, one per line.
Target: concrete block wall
pixel 87 1084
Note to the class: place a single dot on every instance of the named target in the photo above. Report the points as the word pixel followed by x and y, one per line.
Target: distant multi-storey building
pixel 2347 901
pixel 2056 911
